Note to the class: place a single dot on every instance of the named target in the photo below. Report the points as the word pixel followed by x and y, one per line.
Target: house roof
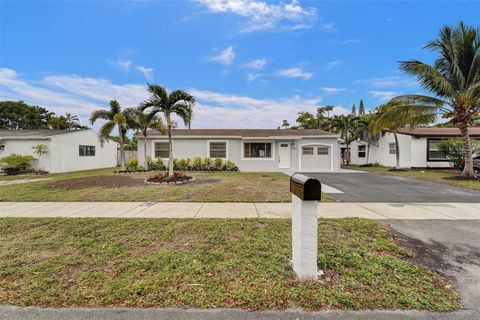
pixel 242 133
pixel 33 134
pixel 438 132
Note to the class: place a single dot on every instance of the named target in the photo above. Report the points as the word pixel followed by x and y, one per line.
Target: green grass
pixel 444 176
pixel 208 187
pixel 208 263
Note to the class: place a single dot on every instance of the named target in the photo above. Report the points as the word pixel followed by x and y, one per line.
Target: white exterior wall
pixel 198 147
pixel 24 147
pixel 413 153
pixel 63 152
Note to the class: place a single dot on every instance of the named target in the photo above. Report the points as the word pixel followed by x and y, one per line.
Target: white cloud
pixel 224 57
pixel 122 64
pixel 389 81
pixel 253 76
pixel 350 41
pixel 82 95
pixel 332 64
pixel 332 89
pixel 295 73
pixel 147 72
pixel 261 15
pixel 256 64
pixel 384 96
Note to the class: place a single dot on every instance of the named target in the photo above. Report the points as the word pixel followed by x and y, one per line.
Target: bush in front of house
pixel 15 164
pixel 218 164
pixel 207 164
pixel 132 164
pixel 155 165
pixel 230 166
pixel 197 164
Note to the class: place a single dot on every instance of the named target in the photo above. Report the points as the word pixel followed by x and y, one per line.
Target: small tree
pixel 361 108
pixel 455 151
pixel 39 150
pixel 285 124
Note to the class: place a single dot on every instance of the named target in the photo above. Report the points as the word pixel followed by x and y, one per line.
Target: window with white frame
pixel 162 150
pixel 86 151
pixel 257 149
pixel 322 151
pixel 362 151
pixel 392 148
pixel 218 149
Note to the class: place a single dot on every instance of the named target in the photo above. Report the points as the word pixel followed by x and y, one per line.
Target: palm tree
pixel 114 117
pixel 364 127
pixel 346 126
pixel 142 122
pixel 393 116
pixel 454 79
pixel 177 102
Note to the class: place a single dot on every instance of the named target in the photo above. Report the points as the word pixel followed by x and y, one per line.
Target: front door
pixel 284 155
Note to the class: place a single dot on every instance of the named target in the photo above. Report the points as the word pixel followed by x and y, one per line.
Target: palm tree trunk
pixel 467 146
pixel 368 152
pixel 170 146
pixel 397 150
pixel 348 154
pixel 145 150
pixel 122 151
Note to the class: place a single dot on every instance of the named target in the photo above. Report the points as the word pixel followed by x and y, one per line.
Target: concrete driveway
pixel 372 187
pixel 451 248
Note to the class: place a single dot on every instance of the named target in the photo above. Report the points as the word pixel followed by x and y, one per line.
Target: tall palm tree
pixel 454 79
pixel 393 116
pixel 114 117
pixel 346 126
pixel 177 102
pixel 364 127
pixel 142 122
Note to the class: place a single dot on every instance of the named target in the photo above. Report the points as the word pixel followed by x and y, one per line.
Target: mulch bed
pixel 97 181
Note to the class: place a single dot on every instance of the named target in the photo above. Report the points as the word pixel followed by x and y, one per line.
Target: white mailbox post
pixel 306 192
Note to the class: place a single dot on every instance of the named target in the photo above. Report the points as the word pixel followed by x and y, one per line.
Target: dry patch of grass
pixel 208 263
pixel 444 176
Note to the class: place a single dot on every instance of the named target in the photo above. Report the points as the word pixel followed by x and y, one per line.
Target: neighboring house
pixel 68 150
pixel 251 149
pixel 419 148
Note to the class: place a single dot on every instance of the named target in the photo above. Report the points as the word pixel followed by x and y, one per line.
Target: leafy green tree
pixel 354 110
pixel 285 124
pixel 364 128
pixel 17 115
pixel 454 150
pixel 361 108
pixel 178 103
pixel 393 116
pixel 454 80
pixel 113 117
pixel 346 126
pixel 321 120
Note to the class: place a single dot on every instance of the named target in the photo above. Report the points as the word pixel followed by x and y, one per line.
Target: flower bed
pixel 164 178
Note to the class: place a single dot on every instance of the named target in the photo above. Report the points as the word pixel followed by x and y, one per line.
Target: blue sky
pixel 249 63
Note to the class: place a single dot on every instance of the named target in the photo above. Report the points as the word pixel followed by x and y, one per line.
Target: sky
pixel 249 63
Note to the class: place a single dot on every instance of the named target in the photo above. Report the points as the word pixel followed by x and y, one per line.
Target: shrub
pixel 155 165
pixel 182 164
pixel 207 163
pixel 175 164
pixel 132 164
pixel 197 164
pixel 16 163
pixel 453 148
pixel 218 164
pixel 230 166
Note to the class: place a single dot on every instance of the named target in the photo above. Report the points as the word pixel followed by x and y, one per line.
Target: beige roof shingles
pixel 247 133
pixel 438 132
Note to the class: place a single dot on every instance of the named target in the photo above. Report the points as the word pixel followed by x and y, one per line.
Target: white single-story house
pixel 419 148
pixel 251 149
pixel 67 150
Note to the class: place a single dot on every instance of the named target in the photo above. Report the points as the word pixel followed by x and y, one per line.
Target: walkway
pixel 379 211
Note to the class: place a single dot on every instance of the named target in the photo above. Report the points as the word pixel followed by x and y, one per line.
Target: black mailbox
pixel 305 188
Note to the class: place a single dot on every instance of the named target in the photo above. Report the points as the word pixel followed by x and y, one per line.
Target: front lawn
pixel 208 263
pixel 444 176
pixel 104 185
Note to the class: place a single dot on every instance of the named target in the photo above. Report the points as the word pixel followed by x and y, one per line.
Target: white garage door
pixel 316 158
